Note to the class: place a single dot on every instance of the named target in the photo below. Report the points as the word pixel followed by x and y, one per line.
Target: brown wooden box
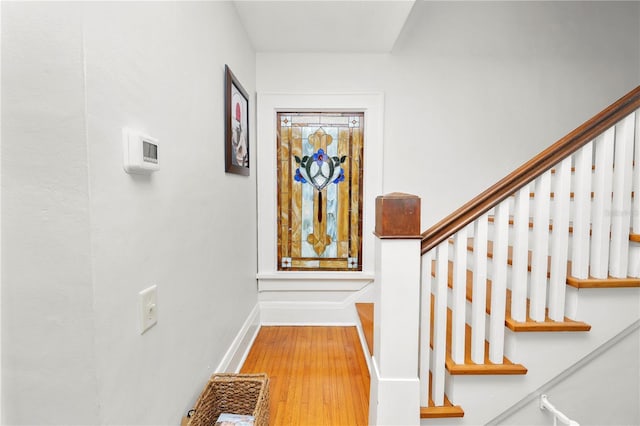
pixel 398 216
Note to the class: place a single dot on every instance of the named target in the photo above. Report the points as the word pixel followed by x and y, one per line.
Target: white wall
pixel 615 404
pixel 91 69
pixel 474 89
pixel 190 228
pixel 49 362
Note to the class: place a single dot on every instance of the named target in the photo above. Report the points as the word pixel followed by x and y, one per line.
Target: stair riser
pixel 490 273
pixel 634 260
pixel 468 314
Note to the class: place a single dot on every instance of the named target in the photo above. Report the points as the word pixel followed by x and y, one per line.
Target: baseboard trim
pixel 307 313
pixel 393 400
pixel 365 349
pixel 307 324
pixel 244 356
pixel 239 349
pixel 310 313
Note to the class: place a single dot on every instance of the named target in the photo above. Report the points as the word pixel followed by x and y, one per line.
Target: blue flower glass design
pixel 298 177
pixel 319 157
pixel 319 170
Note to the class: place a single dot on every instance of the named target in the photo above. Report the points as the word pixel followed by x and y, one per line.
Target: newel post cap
pixel 398 216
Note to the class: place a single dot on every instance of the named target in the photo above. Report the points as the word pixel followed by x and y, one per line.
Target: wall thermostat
pixel 140 152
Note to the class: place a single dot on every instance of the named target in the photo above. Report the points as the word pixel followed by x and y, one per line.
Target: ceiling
pixel 323 26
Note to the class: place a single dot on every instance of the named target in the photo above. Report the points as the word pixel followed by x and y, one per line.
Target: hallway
pixel 318 375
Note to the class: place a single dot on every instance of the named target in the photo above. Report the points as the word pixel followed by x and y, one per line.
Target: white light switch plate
pixel 148 308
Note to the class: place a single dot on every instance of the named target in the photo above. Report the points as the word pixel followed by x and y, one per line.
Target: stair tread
pixel 469 367
pixel 365 313
pixel 492 219
pixel 552 194
pixel 610 282
pixel 573 169
pixel 446 411
pixel 593 168
pixel 442 411
pixel 529 325
pixel 509 253
pixel 571 194
pixel 520 326
pixel 591 282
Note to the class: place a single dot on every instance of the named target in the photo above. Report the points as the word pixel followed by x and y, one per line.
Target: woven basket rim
pixel 240 376
pixel 260 380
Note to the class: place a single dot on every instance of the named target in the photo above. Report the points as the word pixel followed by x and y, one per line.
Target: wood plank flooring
pixel 318 375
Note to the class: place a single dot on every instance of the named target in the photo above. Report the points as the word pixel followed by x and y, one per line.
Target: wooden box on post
pixel 397 215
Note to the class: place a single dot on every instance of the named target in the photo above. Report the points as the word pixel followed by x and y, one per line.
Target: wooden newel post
pixel 395 387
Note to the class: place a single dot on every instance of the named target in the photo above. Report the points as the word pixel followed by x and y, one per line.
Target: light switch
pixel 148 308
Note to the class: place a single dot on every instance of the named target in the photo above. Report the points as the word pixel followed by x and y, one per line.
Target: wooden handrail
pixel 530 170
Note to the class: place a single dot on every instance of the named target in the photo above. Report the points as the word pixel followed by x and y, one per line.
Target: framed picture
pixel 236 118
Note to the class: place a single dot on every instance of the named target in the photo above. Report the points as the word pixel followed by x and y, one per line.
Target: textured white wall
pixel 189 228
pixel 49 363
pixel 83 237
pixel 474 89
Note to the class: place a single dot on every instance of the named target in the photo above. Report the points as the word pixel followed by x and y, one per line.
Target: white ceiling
pixel 323 25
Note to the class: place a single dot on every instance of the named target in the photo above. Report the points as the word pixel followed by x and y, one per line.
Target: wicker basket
pixel 233 393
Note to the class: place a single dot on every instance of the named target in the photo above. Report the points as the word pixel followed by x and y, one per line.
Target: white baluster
pixel 459 296
pixel 601 205
pixel 478 308
pixel 634 258
pixel 560 240
pixel 582 208
pixel 540 247
pixel 621 201
pixel 636 178
pixel 499 283
pixel 519 271
pixel 440 326
pixel 425 327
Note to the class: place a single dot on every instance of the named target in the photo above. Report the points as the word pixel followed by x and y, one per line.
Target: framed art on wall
pixel 236 147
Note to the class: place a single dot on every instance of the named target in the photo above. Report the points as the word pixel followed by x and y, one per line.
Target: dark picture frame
pixel 236 126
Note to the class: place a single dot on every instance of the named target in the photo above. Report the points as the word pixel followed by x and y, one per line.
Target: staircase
pixel 535 262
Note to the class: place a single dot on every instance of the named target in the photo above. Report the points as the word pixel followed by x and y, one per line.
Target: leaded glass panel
pixel 320 191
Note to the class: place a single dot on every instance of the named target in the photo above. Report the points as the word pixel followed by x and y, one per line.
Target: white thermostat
pixel 140 152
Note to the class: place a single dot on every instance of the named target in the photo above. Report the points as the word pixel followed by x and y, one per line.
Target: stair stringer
pixel 546 355
pixel 614 405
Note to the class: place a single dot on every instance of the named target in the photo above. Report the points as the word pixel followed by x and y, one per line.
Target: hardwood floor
pixel 318 375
